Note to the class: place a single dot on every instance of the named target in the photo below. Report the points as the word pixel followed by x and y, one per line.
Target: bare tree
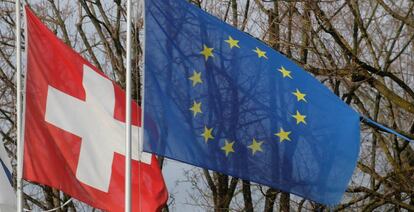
pixel 361 50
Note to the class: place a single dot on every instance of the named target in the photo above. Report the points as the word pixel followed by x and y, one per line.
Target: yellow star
pixel 207 52
pixel 207 133
pixel 299 118
pixel 228 147
pixel 256 146
pixel 283 135
pixel 285 73
pixel 196 78
pixel 232 43
pixel 196 108
pixel 299 95
pixel 260 53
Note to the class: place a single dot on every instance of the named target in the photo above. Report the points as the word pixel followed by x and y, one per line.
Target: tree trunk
pixel 247 195
pixel 270 199
pixel 284 202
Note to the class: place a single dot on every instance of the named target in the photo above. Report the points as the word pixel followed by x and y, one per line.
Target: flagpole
pixel 19 111
pixel 128 113
pixel 141 130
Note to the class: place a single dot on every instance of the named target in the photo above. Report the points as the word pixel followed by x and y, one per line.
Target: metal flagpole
pixel 19 111
pixel 128 113
pixel 141 130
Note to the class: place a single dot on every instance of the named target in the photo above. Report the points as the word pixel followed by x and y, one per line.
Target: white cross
pixel 93 121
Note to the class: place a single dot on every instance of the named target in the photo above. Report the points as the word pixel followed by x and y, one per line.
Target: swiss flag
pixel 74 129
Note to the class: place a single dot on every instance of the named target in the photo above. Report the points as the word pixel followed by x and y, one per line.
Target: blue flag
pixel 218 98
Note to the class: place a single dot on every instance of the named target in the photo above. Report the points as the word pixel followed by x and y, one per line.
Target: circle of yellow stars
pixel 255 146
pixel 299 117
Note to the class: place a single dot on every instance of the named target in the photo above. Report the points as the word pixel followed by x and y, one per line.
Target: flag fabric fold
pixel 74 133
pixel 220 99
pixel 7 193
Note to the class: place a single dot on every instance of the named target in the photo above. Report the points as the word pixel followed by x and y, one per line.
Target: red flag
pixel 74 130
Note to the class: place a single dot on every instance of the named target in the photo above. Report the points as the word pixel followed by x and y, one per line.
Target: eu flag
pixel 218 98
